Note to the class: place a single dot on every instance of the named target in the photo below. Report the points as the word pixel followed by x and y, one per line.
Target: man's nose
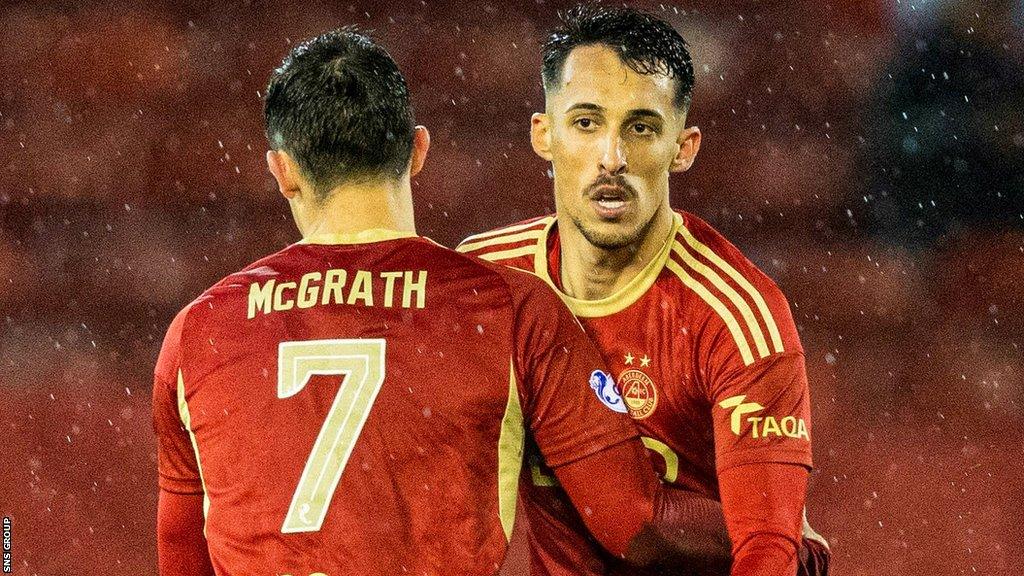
pixel 613 158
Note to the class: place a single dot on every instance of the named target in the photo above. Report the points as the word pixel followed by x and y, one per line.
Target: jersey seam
pixel 742 457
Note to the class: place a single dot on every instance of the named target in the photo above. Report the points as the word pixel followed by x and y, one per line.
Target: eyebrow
pixel 646 112
pixel 584 106
pixel 637 113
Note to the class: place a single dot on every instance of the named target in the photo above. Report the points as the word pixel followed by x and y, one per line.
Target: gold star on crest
pixel 645 361
pixel 629 359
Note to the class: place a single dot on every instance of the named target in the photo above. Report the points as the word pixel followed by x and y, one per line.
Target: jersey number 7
pixel 361 362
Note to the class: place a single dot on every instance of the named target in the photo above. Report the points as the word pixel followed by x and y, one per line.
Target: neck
pixel 591 273
pixel 353 208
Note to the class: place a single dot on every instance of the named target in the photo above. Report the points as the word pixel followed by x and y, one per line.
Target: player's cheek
pixel 566 154
pixel 650 155
pixel 581 147
pixel 581 176
pixel 653 162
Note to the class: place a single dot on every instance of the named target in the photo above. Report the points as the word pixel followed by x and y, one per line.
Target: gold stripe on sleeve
pixel 511 238
pixel 510 455
pixel 717 260
pixel 507 230
pixel 734 297
pixel 186 420
pixel 716 304
pixel 506 254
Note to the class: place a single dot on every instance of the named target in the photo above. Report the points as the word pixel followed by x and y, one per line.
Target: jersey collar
pixel 361 237
pixel 621 299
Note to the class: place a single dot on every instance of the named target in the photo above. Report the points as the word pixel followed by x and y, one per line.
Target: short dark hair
pixel 644 42
pixel 340 107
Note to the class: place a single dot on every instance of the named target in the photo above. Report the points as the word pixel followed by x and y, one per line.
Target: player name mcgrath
pixel 339 286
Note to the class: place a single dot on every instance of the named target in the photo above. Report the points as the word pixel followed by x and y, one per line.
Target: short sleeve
pixel 761 413
pixel 556 363
pixel 758 393
pixel 176 457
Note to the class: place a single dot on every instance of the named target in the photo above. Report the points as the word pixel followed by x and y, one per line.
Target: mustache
pixel 604 181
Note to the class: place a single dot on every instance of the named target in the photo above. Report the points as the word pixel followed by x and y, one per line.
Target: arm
pixel 637 518
pixel 181 547
pixel 615 494
pixel 764 509
pixel 762 441
pixel 760 408
pixel 696 528
pixel 561 543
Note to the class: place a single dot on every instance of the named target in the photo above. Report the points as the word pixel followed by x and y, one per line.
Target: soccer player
pixel 702 344
pixel 356 403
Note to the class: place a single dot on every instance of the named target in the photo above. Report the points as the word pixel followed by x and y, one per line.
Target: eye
pixel 642 129
pixel 584 123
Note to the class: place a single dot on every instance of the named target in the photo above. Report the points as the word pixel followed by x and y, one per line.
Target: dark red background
pixel 883 196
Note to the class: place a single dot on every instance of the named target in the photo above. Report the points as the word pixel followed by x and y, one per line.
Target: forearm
pixel 763 505
pixel 613 490
pixel 640 520
pixel 688 531
pixel 181 546
pixel 767 553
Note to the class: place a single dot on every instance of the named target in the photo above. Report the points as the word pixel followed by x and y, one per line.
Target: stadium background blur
pixel 869 156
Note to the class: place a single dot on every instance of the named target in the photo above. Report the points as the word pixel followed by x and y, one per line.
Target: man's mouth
pixel 610 201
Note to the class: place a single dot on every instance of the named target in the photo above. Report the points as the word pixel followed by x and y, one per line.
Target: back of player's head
pixel 340 107
pixel 644 42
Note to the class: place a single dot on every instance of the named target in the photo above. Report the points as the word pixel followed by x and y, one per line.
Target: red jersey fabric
pixel 706 359
pixel 356 405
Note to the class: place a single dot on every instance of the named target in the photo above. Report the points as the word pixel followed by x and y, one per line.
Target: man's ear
pixel 285 171
pixel 540 135
pixel 689 145
pixel 420 146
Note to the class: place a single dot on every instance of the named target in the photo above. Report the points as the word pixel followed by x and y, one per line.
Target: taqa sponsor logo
pixel 762 426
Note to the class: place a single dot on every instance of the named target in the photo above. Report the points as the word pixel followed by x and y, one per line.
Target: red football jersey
pixel 356 405
pixel 706 359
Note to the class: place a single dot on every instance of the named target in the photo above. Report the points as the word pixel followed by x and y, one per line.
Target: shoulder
pixel 524 288
pixel 700 239
pixel 213 309
pixel 515 245
pixel 748 308
pixel 169 360
pixel 233 285
pixel 512 250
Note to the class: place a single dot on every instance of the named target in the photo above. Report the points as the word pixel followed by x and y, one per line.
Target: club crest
pixel 639 393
